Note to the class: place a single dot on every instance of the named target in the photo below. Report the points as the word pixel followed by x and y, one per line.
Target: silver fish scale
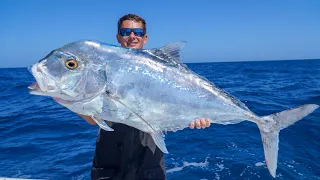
pixel 157 93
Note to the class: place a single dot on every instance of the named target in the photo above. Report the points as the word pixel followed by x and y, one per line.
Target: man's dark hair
pixel 132 17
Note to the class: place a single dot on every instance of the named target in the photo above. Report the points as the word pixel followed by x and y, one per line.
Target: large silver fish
pixel 149 89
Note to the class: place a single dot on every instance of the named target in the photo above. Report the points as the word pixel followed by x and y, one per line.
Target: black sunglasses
pixel 127 31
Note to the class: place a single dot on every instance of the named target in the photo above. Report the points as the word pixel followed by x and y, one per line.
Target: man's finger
pixel 203 123
pixel 207 123
pixel 191 125
pixel 198 124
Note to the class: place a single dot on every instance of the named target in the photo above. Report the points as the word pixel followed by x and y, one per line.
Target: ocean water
pixel 41 139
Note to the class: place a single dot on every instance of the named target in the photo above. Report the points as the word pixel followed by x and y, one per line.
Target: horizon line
pixel 210 62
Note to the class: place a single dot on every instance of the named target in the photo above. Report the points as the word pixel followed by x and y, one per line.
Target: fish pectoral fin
pixel 158 139
pixel 109 109
pixel 102 124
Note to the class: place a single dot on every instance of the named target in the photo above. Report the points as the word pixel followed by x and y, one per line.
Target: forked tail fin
pixel 270 127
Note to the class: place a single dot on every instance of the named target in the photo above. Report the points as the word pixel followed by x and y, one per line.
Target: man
pixel 120 154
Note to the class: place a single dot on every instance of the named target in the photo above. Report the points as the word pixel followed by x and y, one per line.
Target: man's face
pixel 132 41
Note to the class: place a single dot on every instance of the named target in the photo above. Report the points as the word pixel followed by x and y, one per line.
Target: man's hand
pixel 200 123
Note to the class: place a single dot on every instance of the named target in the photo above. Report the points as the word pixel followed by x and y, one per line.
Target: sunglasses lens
pixel 138 32
pixel 126 32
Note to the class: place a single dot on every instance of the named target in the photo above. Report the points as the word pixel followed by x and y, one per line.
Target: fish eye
pixel 71 64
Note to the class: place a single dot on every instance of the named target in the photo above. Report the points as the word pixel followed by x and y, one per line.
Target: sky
pixel 215 31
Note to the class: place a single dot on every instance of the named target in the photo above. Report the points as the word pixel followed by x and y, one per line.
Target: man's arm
pixel 199 123
pixel 88 119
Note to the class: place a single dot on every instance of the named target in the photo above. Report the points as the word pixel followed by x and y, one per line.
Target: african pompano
pixel 149 89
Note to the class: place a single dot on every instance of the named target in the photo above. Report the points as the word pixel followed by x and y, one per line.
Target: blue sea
pixel 40 139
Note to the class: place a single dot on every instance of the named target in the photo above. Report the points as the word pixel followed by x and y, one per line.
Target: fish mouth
pixel 35 89
pixel 44 83
pixel 34 86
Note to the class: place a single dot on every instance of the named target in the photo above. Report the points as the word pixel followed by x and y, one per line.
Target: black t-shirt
pixel 120 154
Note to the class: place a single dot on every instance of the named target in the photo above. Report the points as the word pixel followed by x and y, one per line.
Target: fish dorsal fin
pixel 169 53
